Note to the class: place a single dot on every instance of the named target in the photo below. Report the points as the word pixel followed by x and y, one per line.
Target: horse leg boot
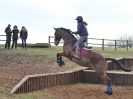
pixel 59 59
pixel 109 88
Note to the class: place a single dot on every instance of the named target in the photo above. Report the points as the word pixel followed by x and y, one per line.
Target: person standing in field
pixel 15 32
pixel 8 36
pixel 23 36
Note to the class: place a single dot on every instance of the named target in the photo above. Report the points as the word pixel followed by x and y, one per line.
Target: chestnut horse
pixel 88 58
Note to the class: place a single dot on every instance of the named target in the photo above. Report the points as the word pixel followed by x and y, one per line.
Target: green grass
pixel 18 96
pixel 110 52
pixel 50 53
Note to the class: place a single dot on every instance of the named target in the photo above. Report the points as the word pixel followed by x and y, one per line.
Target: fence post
pixel 49 40
pixel 115 45
pixel 127 44
pixel 102 44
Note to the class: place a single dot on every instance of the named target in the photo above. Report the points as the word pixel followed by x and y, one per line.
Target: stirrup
pixel 77 56
pixel 90 47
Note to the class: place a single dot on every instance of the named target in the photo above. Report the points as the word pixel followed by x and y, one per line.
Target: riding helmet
pixel 79 18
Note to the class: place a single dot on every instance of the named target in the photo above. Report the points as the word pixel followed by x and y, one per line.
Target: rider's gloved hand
pixel 74 33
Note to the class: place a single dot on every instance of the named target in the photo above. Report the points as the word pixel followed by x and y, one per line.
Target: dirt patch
pixel 85 91
pixel 14 67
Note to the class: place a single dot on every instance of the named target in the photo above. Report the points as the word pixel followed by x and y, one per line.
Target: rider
pixel 83 33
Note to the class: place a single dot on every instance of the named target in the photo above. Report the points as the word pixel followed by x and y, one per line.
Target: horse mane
pixel 68 31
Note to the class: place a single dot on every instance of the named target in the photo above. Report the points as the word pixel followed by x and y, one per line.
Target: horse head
pixel 63 33
pixel 57 35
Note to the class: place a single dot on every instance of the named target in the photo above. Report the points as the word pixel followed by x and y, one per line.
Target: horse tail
pixel 119 64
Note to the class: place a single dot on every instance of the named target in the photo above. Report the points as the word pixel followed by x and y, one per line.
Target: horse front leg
pixel 59 59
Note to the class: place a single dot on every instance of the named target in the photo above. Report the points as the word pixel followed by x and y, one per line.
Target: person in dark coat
pixel 82 32
pixel 8 36
pixel 23 36
pixel 15 32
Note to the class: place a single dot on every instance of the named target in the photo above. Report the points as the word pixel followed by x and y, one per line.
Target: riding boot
pixel 77 53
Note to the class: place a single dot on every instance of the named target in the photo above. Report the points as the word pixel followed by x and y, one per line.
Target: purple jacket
pixel 82 30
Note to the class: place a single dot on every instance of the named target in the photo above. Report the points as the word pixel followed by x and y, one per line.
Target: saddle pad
pixel 84 51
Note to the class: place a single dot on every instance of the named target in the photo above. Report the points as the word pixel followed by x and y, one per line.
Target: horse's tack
pixel 83 51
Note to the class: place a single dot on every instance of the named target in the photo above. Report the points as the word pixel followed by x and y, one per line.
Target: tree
pixel 125 40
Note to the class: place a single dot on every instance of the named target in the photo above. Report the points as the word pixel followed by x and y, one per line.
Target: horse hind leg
pixel 103 75
pixel 107 81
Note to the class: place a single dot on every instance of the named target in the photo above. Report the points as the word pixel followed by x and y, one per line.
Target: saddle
pixel 84 48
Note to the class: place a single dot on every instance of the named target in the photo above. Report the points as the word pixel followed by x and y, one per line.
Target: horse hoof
pixel 60 65
pixel 63 63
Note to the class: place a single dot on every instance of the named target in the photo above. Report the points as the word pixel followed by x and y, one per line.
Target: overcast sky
pixel 106 18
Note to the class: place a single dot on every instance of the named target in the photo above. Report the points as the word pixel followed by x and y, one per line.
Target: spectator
pixel 15 32
pixel 23 36
pixel 8 36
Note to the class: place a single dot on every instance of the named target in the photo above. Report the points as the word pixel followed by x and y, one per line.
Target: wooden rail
pixel 101 42
pixel 41 81
pixel 38 82
pixel 2 36
pixel 117 77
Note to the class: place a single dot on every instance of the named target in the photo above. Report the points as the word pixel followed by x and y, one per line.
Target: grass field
pixel 50 54
pixel 110 52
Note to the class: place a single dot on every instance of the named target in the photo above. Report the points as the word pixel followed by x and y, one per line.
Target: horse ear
pixel 55 28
